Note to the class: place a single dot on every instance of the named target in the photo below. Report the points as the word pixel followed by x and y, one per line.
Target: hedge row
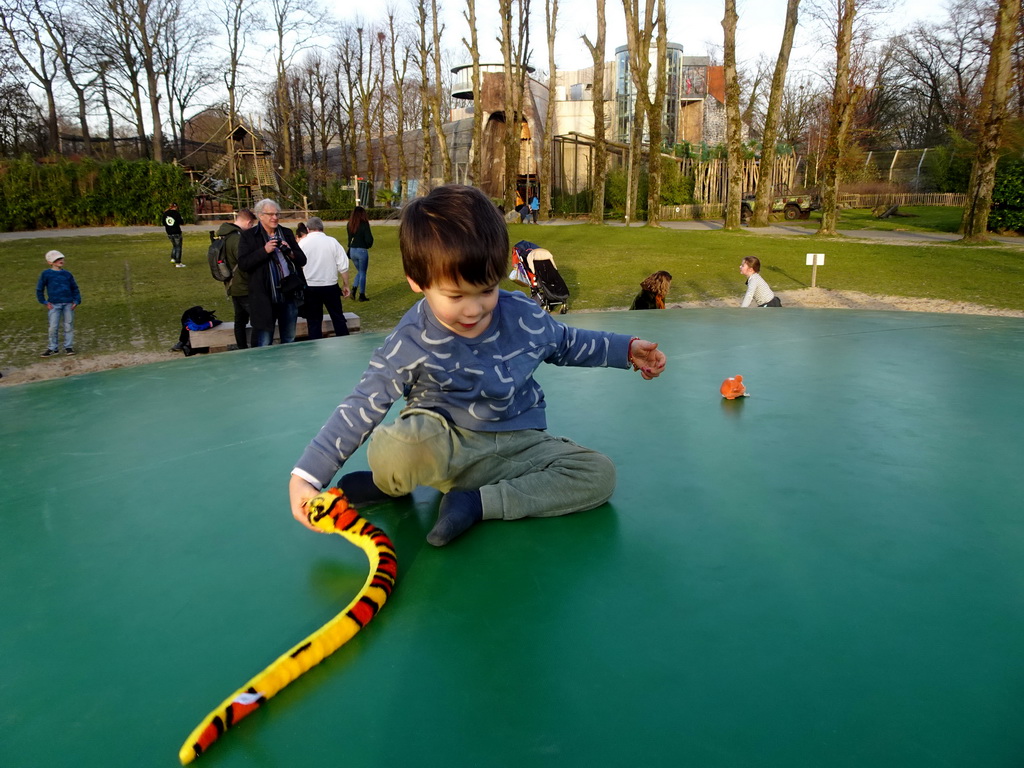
pixel 87 193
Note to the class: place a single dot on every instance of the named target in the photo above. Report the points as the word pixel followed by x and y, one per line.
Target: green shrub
pixel 1008 197
pixel 68 193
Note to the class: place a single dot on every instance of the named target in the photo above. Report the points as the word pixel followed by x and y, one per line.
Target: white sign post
pixel 813 260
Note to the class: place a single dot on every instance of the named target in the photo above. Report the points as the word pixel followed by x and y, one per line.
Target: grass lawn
pixel 919 218
pixel 133 297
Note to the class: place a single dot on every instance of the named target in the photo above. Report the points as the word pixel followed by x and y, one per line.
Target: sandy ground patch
pixel 816 298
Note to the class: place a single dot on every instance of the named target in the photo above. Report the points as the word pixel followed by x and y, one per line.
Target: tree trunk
pixel 600 158
pixel 146 35
pixel 733 124
pixel 548 145
pixel 655 121
pixel 435 105
pixel 514 60
pixel 769 137
pixel 992 114
pixel 844 99
pixel 423 56
pixel 381 109
pixel 639 37
pixel 476 143
pixel 398 77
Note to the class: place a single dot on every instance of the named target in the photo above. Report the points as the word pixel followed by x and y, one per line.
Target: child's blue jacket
pixel 57 286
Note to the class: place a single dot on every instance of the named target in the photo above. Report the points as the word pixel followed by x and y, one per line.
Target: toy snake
pixel 331 513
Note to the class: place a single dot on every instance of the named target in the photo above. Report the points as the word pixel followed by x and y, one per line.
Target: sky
pixel 695 24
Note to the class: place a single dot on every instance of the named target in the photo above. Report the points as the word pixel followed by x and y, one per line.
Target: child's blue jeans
pixel 525 473
pixel 55 314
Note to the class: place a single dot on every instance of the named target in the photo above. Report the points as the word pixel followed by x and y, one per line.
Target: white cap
pixel 52 256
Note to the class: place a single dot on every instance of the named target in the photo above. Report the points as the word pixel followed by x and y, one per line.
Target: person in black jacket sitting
pixel 271 257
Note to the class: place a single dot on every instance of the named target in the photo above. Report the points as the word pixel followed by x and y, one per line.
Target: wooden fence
pixel 951 199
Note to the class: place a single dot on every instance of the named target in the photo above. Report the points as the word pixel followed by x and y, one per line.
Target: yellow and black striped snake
pixel 330 512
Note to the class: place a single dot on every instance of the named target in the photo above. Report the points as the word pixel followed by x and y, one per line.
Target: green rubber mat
pixel 829 572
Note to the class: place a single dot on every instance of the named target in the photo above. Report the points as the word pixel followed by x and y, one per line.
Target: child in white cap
pixel 58 292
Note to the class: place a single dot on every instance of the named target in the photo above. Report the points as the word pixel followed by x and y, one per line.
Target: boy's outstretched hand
pixel 646 358
pixel 300 492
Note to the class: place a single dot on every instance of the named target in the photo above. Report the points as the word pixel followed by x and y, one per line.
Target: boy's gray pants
pixel 525 473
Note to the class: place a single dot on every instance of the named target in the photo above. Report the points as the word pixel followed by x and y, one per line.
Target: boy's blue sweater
pixel 484 384
pixel 57 286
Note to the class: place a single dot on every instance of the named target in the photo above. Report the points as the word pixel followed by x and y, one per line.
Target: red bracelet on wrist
pixel 629 353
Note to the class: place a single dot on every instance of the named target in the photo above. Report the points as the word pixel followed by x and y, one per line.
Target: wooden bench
pixel 218 339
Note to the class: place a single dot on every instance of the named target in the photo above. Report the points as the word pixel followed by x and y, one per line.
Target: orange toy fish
pixel 733 388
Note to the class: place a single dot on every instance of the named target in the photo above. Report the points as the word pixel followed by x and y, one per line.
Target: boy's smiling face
pixel 463 308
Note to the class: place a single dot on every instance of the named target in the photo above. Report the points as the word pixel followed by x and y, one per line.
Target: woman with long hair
pixel 360 240
pixel 653 291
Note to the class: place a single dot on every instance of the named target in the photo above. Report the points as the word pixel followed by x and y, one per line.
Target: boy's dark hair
pixel 753 262
pixel 454 232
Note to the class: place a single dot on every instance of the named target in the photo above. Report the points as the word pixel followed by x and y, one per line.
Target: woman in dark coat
pixel 360 241
pixel 271 257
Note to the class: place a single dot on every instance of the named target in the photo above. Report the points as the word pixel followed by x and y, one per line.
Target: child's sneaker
pixel 49 353
pixel 69 351
pixel 178 265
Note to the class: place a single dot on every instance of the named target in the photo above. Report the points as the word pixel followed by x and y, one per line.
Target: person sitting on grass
pixel 653 291
pixel 58 292
pixel 464 356
pixel 758 292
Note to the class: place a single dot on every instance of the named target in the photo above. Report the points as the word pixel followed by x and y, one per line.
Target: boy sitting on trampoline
pixel 473 426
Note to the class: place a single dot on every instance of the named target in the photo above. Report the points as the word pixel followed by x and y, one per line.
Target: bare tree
pixel 641 38
pixel 992 119
pixel 547 148
pixel 770 134
pixel 733 125
pixel 398 81
pixel 656 120
pixel 68 44
pixel 25 32
pixel 382 107
pixel 148 19
pixel 291 22
pixel 841 111
pixel 182 50
pixel 367 83
pixel 120 69
pixel 600 161
pixel 437 97
pixel 473 46
pixel 238 22
pixel 17 127
pixel 515 53
pixel 422 56
pixel 345 104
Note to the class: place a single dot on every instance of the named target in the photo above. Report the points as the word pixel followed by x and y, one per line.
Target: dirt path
pixel 816 298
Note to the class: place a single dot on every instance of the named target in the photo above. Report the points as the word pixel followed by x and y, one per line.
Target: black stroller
pixel 534 267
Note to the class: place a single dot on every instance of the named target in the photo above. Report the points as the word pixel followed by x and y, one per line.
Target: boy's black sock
pixel 359 488
pixel 460 511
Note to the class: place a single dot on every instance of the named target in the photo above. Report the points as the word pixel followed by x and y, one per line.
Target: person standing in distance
pixel 172 226
pixel 325 262
pixel 360 241
pixel 58 292
pixel 271 256
pixel 238 285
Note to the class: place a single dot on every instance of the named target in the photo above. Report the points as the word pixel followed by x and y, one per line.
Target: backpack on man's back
pixel 217 256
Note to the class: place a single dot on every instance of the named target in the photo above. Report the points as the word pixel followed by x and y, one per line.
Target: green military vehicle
pixel 791 206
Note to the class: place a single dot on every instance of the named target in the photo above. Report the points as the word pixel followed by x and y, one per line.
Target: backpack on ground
pixel 217 256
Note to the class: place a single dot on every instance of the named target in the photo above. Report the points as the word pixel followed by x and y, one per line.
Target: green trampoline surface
pixel 827 573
